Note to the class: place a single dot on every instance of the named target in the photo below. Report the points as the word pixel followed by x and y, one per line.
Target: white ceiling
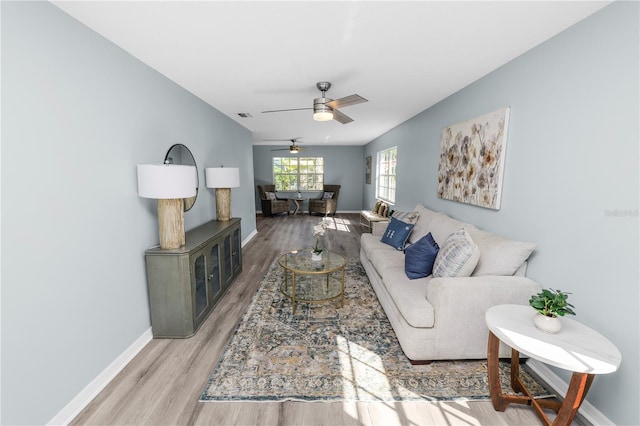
pixel 248 56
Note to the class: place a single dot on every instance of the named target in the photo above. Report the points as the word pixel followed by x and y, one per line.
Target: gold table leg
pixel 293 292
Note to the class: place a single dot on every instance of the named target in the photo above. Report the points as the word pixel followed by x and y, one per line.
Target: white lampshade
pixel 166 181
pixel 222 177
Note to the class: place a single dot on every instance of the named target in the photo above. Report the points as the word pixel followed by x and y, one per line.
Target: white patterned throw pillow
pixel 458 256
pixel 407 217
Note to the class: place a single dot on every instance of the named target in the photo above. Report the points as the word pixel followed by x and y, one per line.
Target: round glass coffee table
pixel 311 281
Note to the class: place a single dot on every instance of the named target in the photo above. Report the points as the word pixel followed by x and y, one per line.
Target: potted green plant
pixel 550 304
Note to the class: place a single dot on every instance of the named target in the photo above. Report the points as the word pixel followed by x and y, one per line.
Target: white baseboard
pixel 587 412
pixel 337 211
pixel 86 395
pixel 249 237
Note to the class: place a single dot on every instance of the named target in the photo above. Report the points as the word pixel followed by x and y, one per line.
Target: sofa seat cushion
pixel 409 296
pixel 371 242
pixel 383 259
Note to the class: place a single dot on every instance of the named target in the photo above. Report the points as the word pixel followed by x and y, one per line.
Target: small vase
pixel 547 324
pixel 316 256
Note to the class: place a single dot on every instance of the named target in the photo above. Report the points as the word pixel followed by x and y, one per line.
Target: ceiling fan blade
pixel 346 101
pixel 292 140
pixel 284 110
pixel 283 149
pixel 341 118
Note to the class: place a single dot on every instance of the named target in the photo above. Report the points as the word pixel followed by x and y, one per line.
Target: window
pixel 386 175
pixel 298 173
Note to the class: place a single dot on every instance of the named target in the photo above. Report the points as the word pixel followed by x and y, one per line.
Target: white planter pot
pixel 547 324
pixel 316 256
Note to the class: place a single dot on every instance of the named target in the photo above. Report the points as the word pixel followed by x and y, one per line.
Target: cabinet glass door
pixel 215 287
pixel 200 278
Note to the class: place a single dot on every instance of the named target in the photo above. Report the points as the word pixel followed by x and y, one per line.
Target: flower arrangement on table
pixel 318 231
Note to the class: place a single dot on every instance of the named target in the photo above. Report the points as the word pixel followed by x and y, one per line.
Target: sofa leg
pixel 420 362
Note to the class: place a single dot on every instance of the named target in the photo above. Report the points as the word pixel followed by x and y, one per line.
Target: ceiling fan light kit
pixel 322 112
pixel 293 149
pixel 326 109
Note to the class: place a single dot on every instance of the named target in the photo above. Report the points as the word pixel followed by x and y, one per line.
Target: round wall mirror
pixel 180 154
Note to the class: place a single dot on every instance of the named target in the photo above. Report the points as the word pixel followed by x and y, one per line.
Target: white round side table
pixel 575 347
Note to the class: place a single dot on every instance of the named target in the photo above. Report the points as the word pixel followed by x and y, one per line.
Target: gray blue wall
pixel 571 176
pixel 78 114
pixel 344 165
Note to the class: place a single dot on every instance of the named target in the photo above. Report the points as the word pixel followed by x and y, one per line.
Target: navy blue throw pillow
pixel 397 233
pixel 420 257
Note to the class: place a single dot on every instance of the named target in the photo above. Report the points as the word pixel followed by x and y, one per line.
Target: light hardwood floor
pixel 162 384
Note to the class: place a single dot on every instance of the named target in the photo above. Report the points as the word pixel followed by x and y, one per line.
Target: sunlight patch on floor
pixel 338 224
pixel 364 375
pixel 363 372
pixel 456 413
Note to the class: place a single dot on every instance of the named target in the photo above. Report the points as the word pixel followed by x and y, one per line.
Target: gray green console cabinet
pixel 186 283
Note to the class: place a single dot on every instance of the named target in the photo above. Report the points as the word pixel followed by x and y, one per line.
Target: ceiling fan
pixel 326 109
pixel 293 149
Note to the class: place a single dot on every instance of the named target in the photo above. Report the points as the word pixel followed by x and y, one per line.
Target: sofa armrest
pixel 470 297
pixel 459 307
pixel 378 228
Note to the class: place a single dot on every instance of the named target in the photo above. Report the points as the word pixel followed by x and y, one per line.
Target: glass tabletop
pixel 300 261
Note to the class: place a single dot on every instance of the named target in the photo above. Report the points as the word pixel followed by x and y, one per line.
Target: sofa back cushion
pixel 442 226
pixel 424 223
pixel 498 255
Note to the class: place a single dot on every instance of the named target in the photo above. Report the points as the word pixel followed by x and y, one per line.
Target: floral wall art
pixel 472 160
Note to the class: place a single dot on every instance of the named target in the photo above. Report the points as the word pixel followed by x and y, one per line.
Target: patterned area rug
pixel 328 353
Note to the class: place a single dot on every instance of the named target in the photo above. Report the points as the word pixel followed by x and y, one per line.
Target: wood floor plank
pixel 163 383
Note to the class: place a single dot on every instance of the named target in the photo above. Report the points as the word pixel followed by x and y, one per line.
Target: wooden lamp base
pixel 171 223
pixel 223 204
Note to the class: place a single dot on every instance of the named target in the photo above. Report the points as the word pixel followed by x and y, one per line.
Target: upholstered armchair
pixel 271 204
pixel 327 204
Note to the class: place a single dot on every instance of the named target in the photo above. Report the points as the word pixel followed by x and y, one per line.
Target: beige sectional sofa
pixel 443 318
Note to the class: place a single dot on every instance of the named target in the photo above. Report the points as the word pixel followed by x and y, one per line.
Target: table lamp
pixel 169 184
pixel 222 179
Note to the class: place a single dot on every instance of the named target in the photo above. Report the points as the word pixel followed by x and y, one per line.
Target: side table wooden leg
pixel 493 369
pixel 515 371
pixel 500 400
pixel 578 388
